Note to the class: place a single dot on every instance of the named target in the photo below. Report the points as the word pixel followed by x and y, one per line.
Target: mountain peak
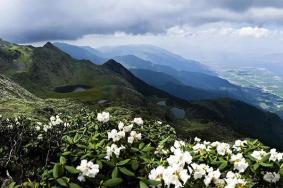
pixel 113 65
pixel 49 45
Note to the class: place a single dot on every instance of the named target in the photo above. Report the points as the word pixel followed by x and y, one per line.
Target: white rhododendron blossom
pixel 239 162
pixel 55 120
pixel 177 144
pixel 138 121
pixel 87 169
pixel 239 144
pixel 223 148
pixel 113 149
pixel 258 154
pixel 199 170
pixel 196 139
pixel 212 176
pixel 134 136
pixel 275 156
pixel 159 122
pixel 174 175
pixel 271 177
pixel 156 173
pixel 103 117
pixel 199 148
pixel 234 180
pixel 116 135
pixel 179 158
pixel 40 137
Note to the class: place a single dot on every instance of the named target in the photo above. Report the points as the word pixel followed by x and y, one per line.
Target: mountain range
pixel 161 66
pixel 49 73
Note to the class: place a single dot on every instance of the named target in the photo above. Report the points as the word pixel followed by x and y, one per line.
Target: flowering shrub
pixel 100 150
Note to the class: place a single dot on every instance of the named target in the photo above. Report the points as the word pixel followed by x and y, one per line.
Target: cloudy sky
pixel 199 29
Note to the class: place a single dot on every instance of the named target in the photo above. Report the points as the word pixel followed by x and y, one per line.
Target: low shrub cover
pixel 104 150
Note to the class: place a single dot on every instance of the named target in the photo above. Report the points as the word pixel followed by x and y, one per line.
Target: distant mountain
pixel 173 86
pixel 193 79
pixel 81 52
pixel 156 55
pixel 213 85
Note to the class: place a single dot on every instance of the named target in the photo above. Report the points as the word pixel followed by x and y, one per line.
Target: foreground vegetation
pixel 90 149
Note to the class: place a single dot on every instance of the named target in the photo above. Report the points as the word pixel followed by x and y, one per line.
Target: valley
pixel 268 87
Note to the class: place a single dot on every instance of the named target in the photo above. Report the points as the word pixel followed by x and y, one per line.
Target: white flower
pixel 120 125
pixel 55 120
pixel 239 144
pixel 196 139
pixel 37 128
pixel 128 128
pixel 271 177
pixel 275 156
pixel 199 170
pixel 212 176
pixel 115 135
pixel 103 117
pixel 67 125
pixel 223 148
pixel 113 149
pixel 159 122
pixel 134 136
pixel 239 161
pixel 81 178
pixel 179 158
pixel 88 169
pixel 198 148
pixel 10 126
pixel 233 180
pixel 174 175
pixel 258 154
pixel 157 173
pixel 241 165
pixel 138 121
pixel 131 139
pixel 40 137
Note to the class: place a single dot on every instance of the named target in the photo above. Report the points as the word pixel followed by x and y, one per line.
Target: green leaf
pixel 162 142
pixel 255 166
pixel 62 160
pixel 12 185
pixel 121 163
pixel 72 170
pixel 112 182
pixel 153 182
pixel 223 165
pixel 73 185
pixel 134 164
pixel 281 171
pixel 66 153
pixel 69 140
pixel 143 185
pixel 265 158
pixel 126 171
pixel 62 182
pixel 141 145
pixel 76 138
pixel 266 165
pixel 115 172
pixel 57 170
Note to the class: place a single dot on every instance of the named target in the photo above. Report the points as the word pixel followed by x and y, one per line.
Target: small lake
pixel 178 113
pixel 71 88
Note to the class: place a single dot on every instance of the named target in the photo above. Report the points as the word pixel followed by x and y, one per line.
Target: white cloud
pixel 255 32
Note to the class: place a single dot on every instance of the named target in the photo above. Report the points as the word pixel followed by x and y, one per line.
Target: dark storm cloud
pixel 34 20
